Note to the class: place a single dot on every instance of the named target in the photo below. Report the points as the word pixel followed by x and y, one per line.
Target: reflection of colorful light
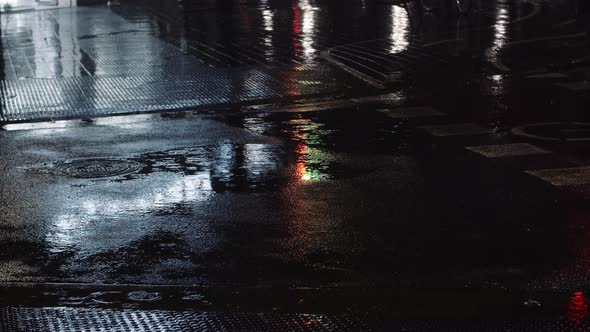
pixel 578 307
pixel 301 165
pixel 304 172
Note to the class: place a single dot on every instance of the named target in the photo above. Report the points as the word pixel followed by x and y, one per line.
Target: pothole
pixel 96 168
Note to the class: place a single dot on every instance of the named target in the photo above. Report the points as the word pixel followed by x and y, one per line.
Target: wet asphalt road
pixel 423 202
pixel 287 201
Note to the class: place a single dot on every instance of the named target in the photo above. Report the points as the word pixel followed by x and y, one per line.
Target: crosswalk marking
pixel 563 176
pixel 548 76
pixel 459 129
pixel 576 86
pixel 508 150
pixel 411 112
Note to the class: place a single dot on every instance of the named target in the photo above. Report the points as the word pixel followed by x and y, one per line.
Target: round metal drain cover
pixel 97 168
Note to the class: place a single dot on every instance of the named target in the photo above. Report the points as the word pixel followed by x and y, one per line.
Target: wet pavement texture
pixel 138 57
pixel 288 202
pixel 324 163
pixel 299 205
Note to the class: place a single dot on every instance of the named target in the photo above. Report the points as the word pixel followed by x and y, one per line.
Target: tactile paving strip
pixel 92 319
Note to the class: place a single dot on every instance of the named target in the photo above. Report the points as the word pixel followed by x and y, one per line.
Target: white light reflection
pixel 267 16
pixel 70 48
pixel 400 30
pixel 65 230
pixel 225 157
pixel 268 21
pixel 71 228
pixel 501 28
pixel 260 161
pixel 500 38
pixel 16 4
pixel 308 26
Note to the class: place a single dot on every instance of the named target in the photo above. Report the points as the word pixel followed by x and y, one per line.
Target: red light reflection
pixel 296 29
pixel 301 166
pixel 577 308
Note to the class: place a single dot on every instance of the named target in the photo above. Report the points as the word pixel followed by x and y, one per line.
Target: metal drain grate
pixel 92 319
pixel 95 319
pixel 96 168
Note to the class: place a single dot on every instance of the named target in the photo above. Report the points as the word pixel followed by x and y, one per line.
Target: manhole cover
pixel 97 168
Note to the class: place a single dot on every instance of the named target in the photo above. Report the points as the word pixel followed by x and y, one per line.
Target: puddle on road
pixel 246 167
pixel 329 131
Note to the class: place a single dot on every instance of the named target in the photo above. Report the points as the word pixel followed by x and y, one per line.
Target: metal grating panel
pixel 95 319
pixel 94 96
pixel 91 319
pixel 91 62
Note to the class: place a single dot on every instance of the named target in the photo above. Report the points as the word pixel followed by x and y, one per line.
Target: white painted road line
pixel 459 129
pixel 564 176
pixel 576 86
pixel 548 76
pixel 508 150
pixel 411 112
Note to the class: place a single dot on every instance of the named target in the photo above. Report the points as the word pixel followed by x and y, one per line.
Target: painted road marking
pixel 411 112
pixel 548 76
pixel 564 176
pixel 508 150
pixel 576 86
pixel 459 129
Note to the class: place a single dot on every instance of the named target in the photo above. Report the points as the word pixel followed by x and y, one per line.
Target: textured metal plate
pixel 106 65
pixel 93 319
pixel 90 319
pixel 93 96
